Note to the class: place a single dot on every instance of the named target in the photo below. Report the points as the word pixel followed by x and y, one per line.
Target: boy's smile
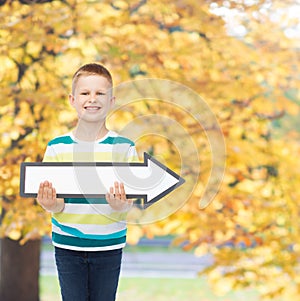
pixel 92 108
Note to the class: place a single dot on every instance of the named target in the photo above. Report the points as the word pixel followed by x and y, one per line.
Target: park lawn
pixel 49 288
pixel 158 289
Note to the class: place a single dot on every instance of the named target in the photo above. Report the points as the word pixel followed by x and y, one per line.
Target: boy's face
pixel 92 98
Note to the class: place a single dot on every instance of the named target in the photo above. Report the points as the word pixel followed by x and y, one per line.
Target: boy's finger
pixel 122 189
pixel 40 191
pixel 123 193
pixel 117 191
pixel 111 198
pixel 44 195
pixel 49 193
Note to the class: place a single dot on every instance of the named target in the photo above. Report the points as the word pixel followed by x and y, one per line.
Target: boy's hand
pixel 47 198
pixel 117 198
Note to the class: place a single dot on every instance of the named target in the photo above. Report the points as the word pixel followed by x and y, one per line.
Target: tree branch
pixel 274 116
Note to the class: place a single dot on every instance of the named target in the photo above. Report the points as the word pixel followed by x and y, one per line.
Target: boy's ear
pixel 71 100
pixel 112 101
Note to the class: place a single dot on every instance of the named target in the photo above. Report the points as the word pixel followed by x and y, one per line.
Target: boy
pixel 89 234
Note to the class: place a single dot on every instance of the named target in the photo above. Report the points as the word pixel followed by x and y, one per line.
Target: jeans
pixel 88 276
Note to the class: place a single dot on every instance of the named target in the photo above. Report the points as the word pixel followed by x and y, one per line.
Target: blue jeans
pixel 88 276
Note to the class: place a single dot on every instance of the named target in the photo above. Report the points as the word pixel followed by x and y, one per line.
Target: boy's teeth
pixel 92 108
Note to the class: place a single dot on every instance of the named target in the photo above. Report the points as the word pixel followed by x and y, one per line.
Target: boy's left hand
pixel 117 198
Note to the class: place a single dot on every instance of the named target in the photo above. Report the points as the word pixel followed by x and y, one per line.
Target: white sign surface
pixel 149 180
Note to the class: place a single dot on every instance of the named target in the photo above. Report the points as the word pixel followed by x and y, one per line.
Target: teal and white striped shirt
pixel 89 224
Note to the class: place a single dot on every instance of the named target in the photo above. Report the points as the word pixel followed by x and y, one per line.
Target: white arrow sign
pixel 149 180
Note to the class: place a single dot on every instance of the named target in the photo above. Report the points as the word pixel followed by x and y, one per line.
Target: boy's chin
pixel 90 119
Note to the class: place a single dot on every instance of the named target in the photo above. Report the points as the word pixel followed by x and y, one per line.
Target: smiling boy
pixel 89 234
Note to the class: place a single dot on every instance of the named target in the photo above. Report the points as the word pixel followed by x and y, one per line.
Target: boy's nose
pixel 93 98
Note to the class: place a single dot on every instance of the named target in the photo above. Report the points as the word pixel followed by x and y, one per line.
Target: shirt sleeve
pixel 50 155
pixel 132 155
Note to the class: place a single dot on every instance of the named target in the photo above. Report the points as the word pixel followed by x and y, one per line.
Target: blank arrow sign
pixel 150 180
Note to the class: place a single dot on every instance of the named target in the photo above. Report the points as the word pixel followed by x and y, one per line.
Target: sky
pixel 233 17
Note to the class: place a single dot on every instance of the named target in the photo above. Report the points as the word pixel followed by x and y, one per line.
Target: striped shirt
pixel 89 224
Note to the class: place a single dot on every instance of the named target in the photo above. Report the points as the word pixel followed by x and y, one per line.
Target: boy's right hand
pixel 47 198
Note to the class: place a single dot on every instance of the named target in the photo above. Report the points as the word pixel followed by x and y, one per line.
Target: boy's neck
pixel 90 132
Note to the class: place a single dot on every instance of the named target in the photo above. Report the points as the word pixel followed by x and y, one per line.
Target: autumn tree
pixel 239 83
pixel 33 95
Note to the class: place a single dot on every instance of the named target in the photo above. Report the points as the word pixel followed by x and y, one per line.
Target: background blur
pixel 242 57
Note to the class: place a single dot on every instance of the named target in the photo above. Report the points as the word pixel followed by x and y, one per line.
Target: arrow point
pixel 169 181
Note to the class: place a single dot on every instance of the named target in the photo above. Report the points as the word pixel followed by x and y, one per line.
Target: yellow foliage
pixel 223 285
pixel 134 234
pixel 14 234
pixel 246 82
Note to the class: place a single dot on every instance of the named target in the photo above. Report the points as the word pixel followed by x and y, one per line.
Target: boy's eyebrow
pixel 98 90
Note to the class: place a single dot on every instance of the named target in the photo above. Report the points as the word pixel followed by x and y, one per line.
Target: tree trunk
pixel 19 270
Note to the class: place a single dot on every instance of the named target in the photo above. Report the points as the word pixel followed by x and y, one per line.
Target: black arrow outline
pixel 144 197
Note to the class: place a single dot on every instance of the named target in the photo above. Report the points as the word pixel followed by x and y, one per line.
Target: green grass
pixel 158 289
pixel 49 288
pixel 162 289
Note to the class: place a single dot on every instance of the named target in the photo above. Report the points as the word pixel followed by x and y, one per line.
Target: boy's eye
pixel 84 93
pixel 100 93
